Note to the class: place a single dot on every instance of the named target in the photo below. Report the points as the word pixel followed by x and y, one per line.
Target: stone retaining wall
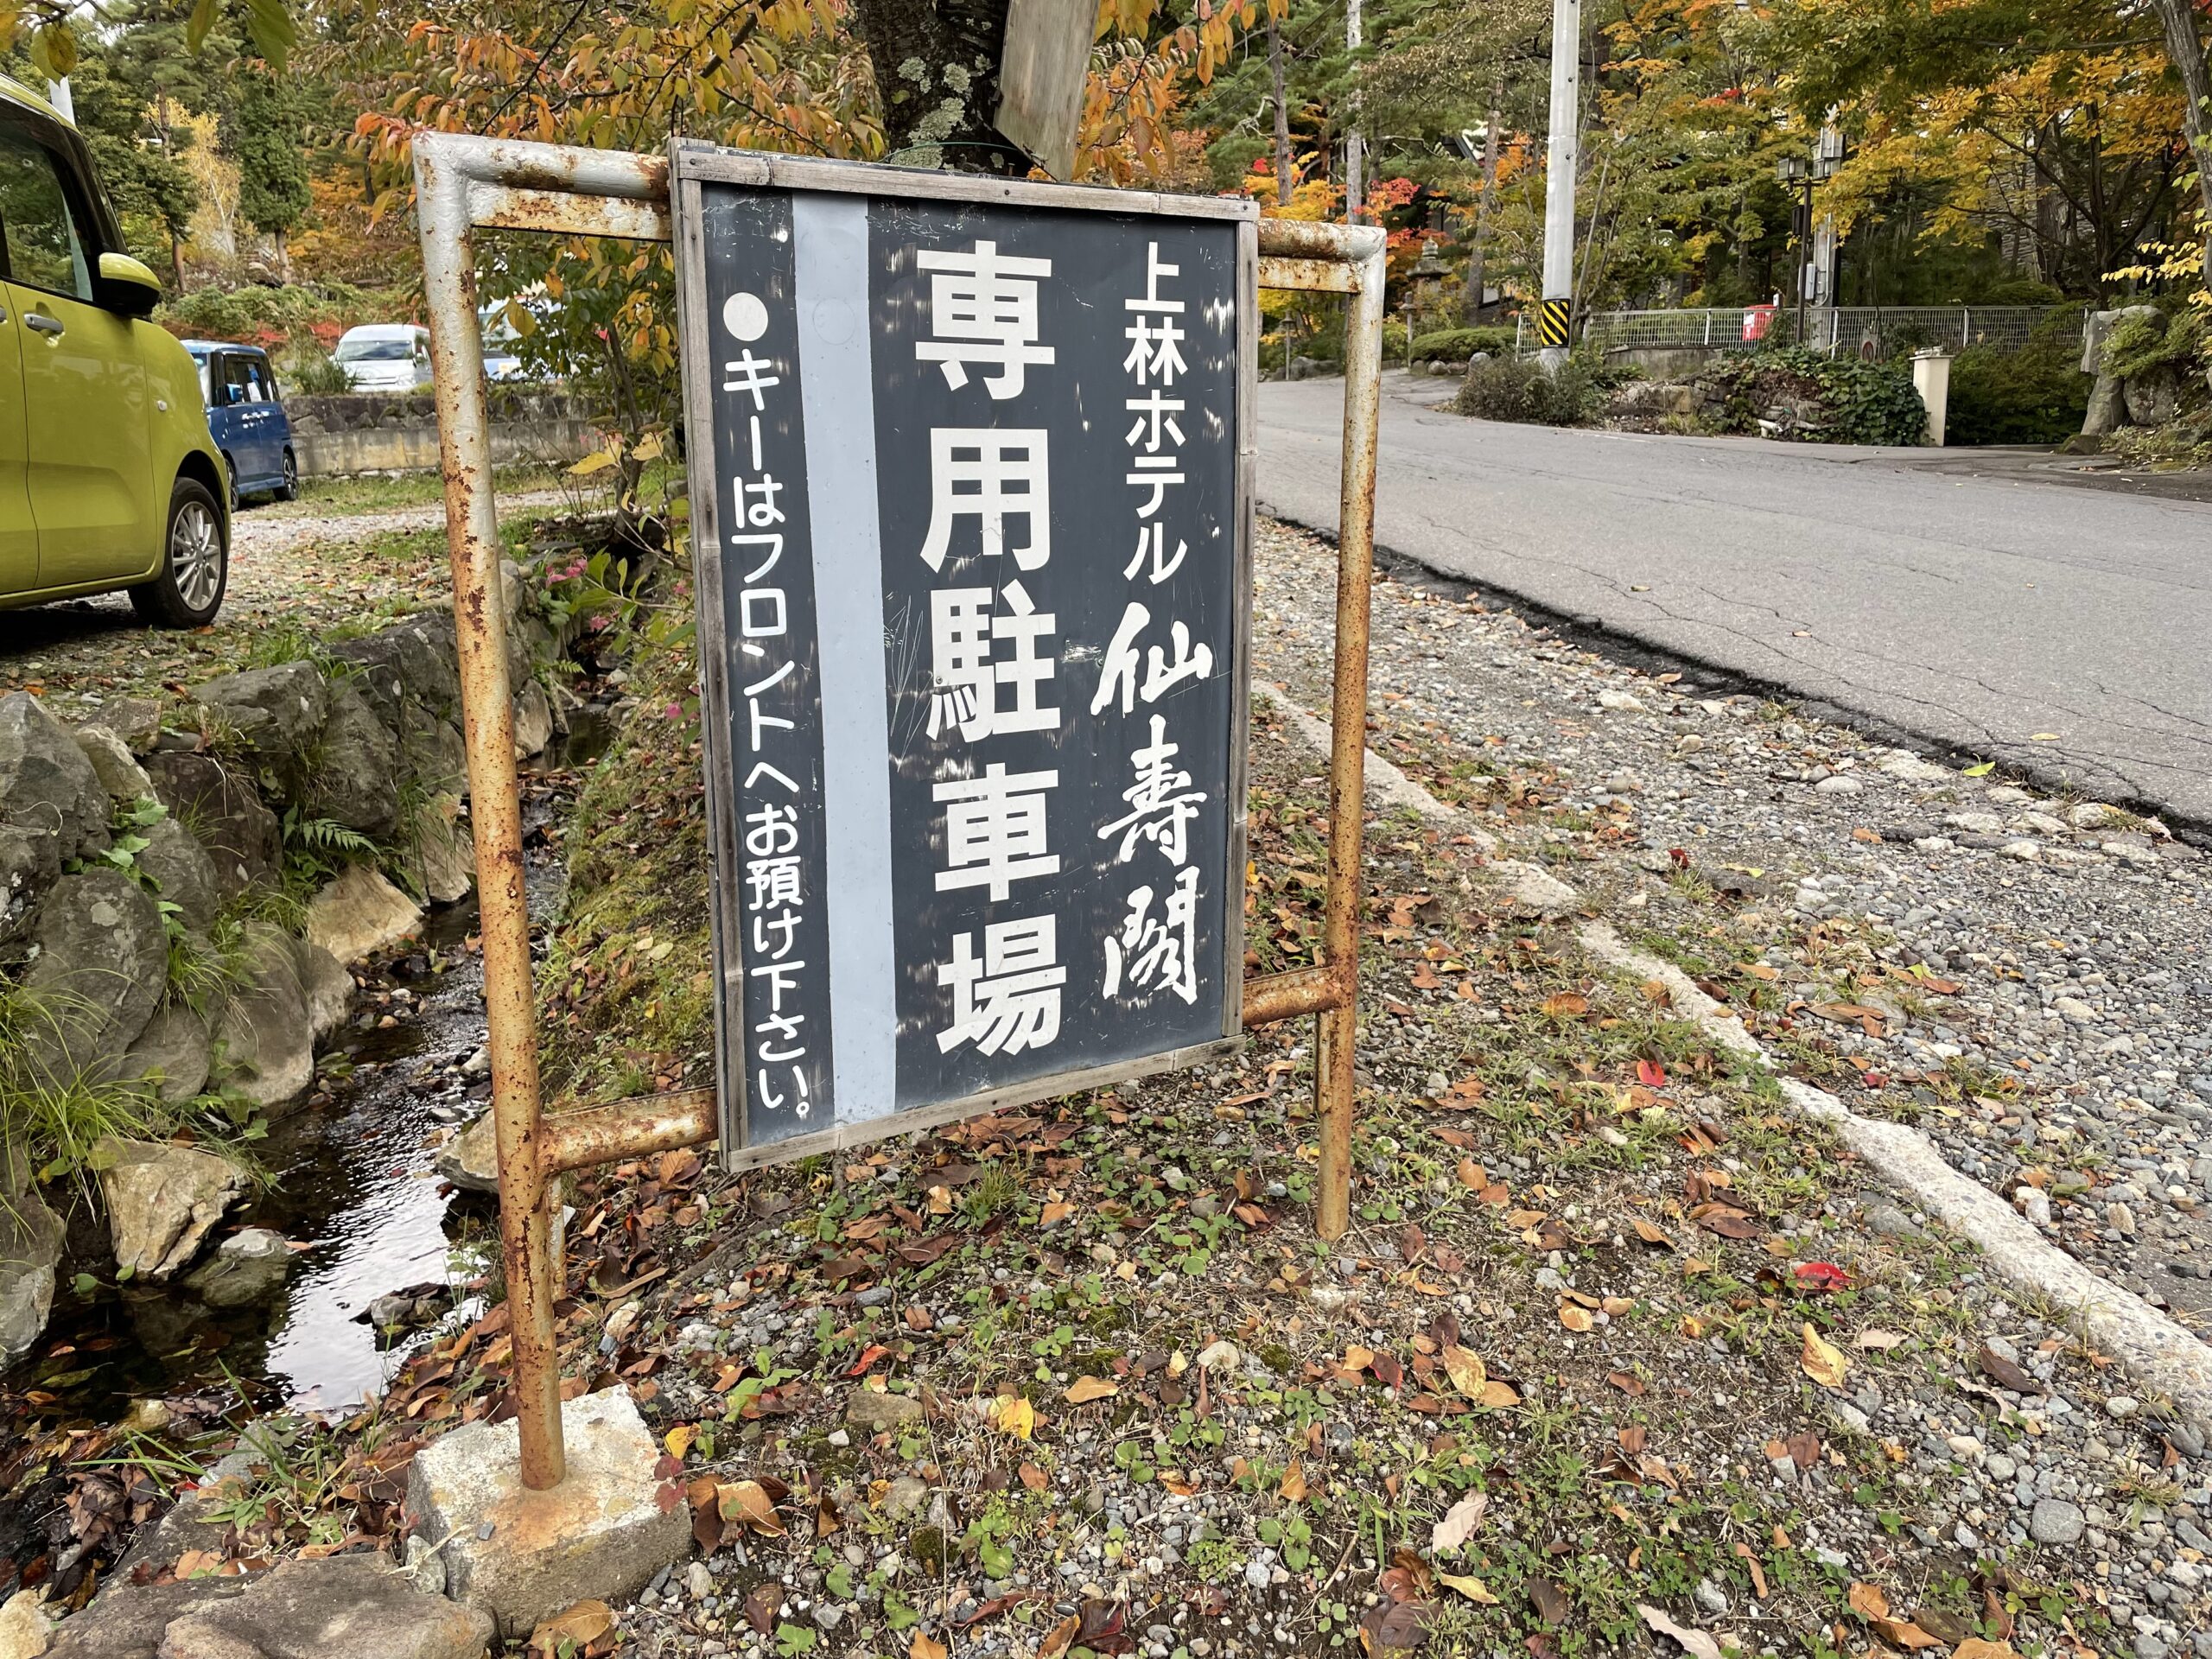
pixel 96 887
pixel 398 432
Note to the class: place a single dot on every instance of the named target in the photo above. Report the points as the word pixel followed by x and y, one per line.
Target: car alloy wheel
pixel 196 555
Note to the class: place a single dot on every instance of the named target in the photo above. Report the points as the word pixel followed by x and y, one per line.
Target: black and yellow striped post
pixel 1552 323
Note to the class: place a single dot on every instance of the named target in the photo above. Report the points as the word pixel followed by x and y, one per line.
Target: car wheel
pixel 289 489
pixel 187 590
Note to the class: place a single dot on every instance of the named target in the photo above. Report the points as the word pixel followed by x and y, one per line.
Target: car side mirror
pixel 124 285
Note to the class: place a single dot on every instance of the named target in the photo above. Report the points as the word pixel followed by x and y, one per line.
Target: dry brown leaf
pixel 748 1502
pixel 1055 1213
pixel 1357 1358
pixel 579 1626
pixel 1822 1361
pixel 1868 1601
pixel 1061 1636
pixel 1084 1389
pixel 1974 1648
pixel 1651 1234
pixel 1566 1005
pixel 1498 1395
pixel 1292 1488
pixel 1902 1633
pixel 1458 1524
pixel 1466 1369
pixel 1576 1318
pixel 925 1646
pixel 1694 1642
pixel 1879 1340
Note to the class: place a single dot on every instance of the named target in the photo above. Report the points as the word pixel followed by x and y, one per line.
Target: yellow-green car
pixel 108 477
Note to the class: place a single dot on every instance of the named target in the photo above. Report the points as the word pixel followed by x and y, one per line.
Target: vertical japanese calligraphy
pixel 1018 470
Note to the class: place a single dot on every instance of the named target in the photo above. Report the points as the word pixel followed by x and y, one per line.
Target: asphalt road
pixel 2064 632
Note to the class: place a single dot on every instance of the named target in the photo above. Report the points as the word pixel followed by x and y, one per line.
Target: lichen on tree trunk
pixel 937 74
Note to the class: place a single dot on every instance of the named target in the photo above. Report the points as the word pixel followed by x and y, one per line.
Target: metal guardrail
pixel 1867 330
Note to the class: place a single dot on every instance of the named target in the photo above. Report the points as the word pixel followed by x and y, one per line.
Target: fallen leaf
pixel 1974 1648
pixel 1466 1369
pixel 1016 1416
pixel 1651 1074
pixel 1292 1488
pixel 1819 1276
pixel 1497 1395
pixel 1694 1642
pixel 1566 1005
pixel 1823 1362
pixel 1087 1388
pixel 680 1438
pixel 1055 1213
pixel 1357 1358
pixel 1458 1524
pixel 925 1646
pixel 762 1605
pixel 1056 1641
pixel 1875 1339
pixel 579 1626
pixel 1625 1382
pixel 1472 1588
pixel 748 1501
pixel 1902 1633
pixel 1868 1601
pixel 1550 1600
pixel 1576 1318
pixel 1651 1234
pixel 1033 1477
pixel 2005 1373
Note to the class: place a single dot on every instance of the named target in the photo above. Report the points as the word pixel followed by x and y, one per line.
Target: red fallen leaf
pixel 869 1354
pixel 1651 1074
pixel 1387 1370
pixel 1681 860
pixel 1104 1630
pixel 1819 1276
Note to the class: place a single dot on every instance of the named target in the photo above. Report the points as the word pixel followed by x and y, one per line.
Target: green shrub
pixel 2139 344
pixel 1459 345
pixel 1862 403
pixel 2035 395
pixel 1519 389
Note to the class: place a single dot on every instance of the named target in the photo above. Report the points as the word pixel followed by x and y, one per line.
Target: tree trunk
pixel 2186 51
pixel 1282 115
pixel 937 74
pixel 1472 303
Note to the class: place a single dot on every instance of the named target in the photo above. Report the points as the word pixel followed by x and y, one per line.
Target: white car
pixel 385 357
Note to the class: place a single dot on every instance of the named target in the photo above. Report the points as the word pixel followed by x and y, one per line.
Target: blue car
pixel 247 418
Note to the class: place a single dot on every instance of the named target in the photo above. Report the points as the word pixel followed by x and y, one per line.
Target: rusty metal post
pixel 480 612
pixel 1336 1028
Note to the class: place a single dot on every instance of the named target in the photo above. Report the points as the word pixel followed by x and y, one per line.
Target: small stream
pixel 349 1178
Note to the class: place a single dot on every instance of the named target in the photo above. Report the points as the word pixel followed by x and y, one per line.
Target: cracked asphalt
pixel 2059 631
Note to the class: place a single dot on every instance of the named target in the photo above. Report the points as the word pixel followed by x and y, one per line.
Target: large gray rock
pixel 127 1621
pixel 533 720
pixel 355 778
pixel 224 812
pixel 471 1160
pixel 433 754
pixel 357 1606
pixel 445 858
pixel 325 986
pixel 101 962
pixel 410 661
pixel 358 913
pixel 52 806
pixel 272 714
pixel 265 1033
pixel 182 873
pixel 521 1556
pixel 118 770
pixel 171 1053
pixel 248 1267
pixel 161 1201
pixel 30 1247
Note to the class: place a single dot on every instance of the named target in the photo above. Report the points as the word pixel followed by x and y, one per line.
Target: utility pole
pixel 1560 158
pixel 1355 146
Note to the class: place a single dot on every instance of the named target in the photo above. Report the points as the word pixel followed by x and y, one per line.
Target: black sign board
pixel 970 485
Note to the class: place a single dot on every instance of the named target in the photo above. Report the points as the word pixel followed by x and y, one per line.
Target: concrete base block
pixel 522 1556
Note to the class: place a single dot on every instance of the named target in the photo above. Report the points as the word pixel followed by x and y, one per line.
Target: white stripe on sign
pixel 830 256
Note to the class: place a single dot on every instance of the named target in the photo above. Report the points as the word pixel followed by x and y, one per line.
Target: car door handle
pixel 44 324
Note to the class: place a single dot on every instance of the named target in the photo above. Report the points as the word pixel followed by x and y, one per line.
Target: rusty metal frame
pixel 464 183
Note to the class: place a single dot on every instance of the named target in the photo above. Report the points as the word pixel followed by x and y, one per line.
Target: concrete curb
pixel 2165 1360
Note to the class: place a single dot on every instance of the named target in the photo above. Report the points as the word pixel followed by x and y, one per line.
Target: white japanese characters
pixel 990 672
pixel 774 897
pixel 1154 949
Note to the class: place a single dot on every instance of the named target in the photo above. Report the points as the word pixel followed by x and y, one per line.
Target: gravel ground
pixel 295 570
pixel 2026 979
